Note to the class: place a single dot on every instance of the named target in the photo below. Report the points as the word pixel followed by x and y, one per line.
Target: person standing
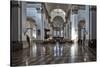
pixel 28 39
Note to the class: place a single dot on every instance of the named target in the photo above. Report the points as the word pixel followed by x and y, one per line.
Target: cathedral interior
pixel 51 33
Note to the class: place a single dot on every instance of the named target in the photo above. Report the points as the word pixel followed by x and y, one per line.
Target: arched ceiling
pixel 52 6
pixel 58 21
pixel 57 12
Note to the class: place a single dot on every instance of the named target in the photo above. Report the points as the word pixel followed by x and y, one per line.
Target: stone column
pixel 15 25
pixel 74 25
pixel 23 18
pixel 87 22
pixel 93 22
pixel 93 32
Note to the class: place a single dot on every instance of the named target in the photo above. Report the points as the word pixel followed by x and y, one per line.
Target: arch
pixel 57 12
pixel 31 27
pixel 58 21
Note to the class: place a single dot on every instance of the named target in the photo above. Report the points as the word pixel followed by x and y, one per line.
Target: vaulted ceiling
pixel 51 6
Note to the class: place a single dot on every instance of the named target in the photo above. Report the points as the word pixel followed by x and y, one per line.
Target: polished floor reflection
pixel 53 54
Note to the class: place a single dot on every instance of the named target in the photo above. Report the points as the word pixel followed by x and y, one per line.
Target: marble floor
pixel 41 54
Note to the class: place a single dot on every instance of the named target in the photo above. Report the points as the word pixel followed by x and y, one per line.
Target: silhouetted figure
pixel 28 40
pixel 84 36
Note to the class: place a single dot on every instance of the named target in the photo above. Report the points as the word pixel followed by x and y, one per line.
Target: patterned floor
pixel 40 54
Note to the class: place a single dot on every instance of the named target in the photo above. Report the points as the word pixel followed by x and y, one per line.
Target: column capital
pixel 74 9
